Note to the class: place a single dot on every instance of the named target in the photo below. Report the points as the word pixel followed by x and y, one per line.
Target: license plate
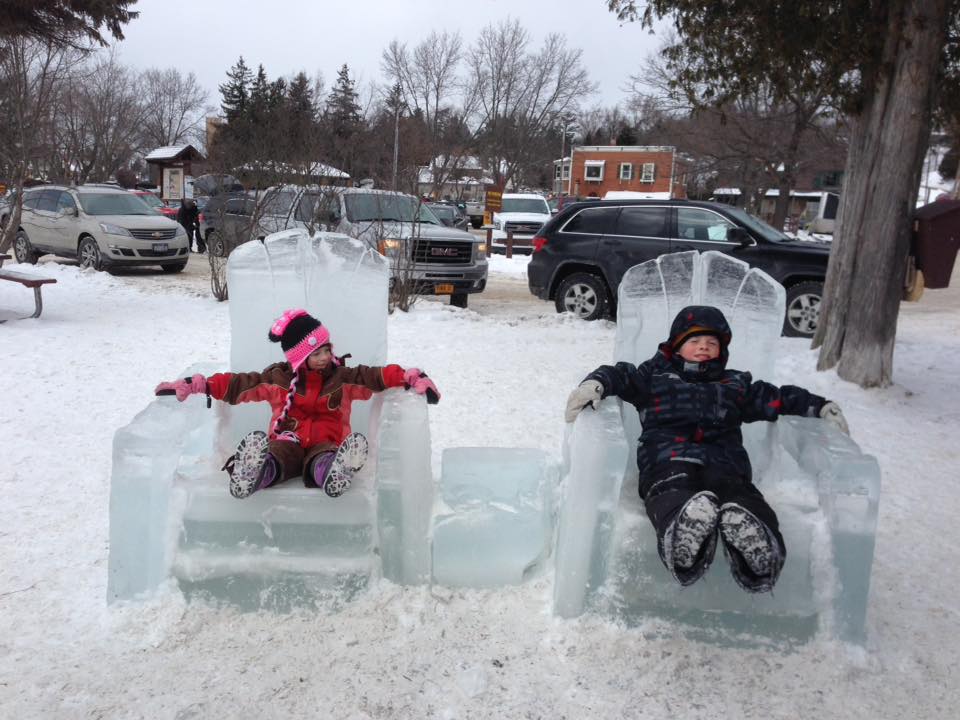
pixel 160 247
pixel 443 289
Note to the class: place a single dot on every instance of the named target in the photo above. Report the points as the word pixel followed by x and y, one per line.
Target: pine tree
pixel 343 107
pixel 259 97
pixel 235 93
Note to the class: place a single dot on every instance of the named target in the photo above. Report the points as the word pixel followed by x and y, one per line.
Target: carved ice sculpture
pixel 824 490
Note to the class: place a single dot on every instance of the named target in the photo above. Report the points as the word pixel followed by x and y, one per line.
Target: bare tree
pixel 174 107
pixel 429 85
pixel 520 94
pixel 32 72
pixel 99 121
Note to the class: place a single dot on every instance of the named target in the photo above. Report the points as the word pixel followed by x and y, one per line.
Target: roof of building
pixel 171 152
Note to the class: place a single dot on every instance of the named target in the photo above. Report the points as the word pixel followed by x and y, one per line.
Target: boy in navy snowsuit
pixel 695 476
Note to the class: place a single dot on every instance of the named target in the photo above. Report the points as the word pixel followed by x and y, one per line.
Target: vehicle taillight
pixel 538 243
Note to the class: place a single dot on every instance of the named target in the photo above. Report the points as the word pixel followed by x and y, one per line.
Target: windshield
pixel 443 212
pixel 113 204
pixel 767 232
pixel 376 207
pixel 525 205
pixel 152 200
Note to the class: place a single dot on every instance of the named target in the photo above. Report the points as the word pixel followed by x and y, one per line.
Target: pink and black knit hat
pixel 299 334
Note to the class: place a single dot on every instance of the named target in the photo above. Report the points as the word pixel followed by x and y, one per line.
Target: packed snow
pixel 505 367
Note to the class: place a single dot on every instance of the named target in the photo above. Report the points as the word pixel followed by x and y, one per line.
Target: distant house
pixel 464 179
pixel 814 210
pixel 652 171
pixel 274 173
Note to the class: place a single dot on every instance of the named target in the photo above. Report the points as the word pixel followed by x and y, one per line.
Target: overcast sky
pixel 286 36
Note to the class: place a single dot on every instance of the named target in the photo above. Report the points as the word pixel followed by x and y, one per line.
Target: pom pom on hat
pixel 299 334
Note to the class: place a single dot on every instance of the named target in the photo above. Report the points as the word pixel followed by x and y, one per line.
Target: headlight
pixel 114 230
pixel 481 249
pixel 498 224
pixel 389 246
pixel 181 231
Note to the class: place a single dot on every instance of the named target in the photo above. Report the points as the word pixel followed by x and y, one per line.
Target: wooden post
pixel 489 241
pixel 509 252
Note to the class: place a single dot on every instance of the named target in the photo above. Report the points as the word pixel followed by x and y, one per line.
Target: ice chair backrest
pixel 652 293
pixel 335 278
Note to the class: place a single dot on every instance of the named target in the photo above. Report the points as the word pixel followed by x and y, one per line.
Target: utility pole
pixel 397 104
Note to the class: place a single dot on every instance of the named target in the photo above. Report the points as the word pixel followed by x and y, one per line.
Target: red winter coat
pixel 320 414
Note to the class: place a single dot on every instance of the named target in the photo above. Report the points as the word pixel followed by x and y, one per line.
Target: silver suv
pixel 101 226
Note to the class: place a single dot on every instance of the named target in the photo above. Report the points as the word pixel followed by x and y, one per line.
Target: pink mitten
pixel 426 386
pixel 182 388
pixel 410 377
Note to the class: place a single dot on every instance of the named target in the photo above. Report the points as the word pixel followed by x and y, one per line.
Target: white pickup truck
pixel 522 215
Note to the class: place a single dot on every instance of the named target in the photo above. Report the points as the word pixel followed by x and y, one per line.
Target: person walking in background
pixel 189 216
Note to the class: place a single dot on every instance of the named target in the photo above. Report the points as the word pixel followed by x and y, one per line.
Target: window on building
pixel 566 171
pixel 593 170
pixel 626 171
pixel 556 172
pixel 647 174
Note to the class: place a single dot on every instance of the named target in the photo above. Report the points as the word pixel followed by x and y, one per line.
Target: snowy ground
pixel 505 367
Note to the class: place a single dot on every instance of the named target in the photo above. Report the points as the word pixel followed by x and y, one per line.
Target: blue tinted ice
pixel 825 491
pixel 171 516
pixel 494 525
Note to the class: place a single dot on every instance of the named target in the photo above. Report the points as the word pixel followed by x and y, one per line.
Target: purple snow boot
pixel 252 467
pixel 333 471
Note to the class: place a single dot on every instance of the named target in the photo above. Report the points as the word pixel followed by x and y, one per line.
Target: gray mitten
pixel 589 392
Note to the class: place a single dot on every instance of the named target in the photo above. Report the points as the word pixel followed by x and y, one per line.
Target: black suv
pixel 581 254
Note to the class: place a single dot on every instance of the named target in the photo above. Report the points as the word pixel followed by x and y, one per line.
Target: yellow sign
pixel 493 198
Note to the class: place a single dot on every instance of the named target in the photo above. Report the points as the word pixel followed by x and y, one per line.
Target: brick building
pixel 595 170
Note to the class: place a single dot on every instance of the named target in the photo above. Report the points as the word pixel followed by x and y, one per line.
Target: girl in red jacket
pixel 310 395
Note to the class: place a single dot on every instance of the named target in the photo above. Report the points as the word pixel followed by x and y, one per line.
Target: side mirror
pixel 740 236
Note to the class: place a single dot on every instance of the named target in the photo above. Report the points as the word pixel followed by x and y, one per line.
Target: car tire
pixel 215 244
pixel 88 254
pixel 178 267
pixel 584 295
pixel 459 300
pixel 22 249
pixel 803 309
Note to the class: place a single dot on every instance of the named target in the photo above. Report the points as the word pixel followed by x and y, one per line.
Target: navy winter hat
pixel 699 320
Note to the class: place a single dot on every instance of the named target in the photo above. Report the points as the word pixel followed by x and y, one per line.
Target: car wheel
pixel 584 295
pixel 89 254
pixel 459 300
pixel 215 244
pixel 803 309
pixel 178 267
pixel 22 249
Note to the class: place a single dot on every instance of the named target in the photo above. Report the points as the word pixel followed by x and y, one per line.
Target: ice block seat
pixel 824 489
pixel 171 515
pixel 495 525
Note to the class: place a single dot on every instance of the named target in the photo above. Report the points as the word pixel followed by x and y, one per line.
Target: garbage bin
pixel 936 239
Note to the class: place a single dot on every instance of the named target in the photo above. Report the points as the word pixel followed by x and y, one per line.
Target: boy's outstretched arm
pixel 768 402
pixel 625 380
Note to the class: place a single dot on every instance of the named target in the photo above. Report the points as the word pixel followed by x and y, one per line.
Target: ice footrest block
pixel 495 526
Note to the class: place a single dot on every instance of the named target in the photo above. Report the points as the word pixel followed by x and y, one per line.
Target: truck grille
pixel 442 252
pixel 522 228
pixel 155 235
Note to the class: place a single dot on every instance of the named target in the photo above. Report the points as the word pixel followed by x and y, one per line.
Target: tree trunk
pixel 858 319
